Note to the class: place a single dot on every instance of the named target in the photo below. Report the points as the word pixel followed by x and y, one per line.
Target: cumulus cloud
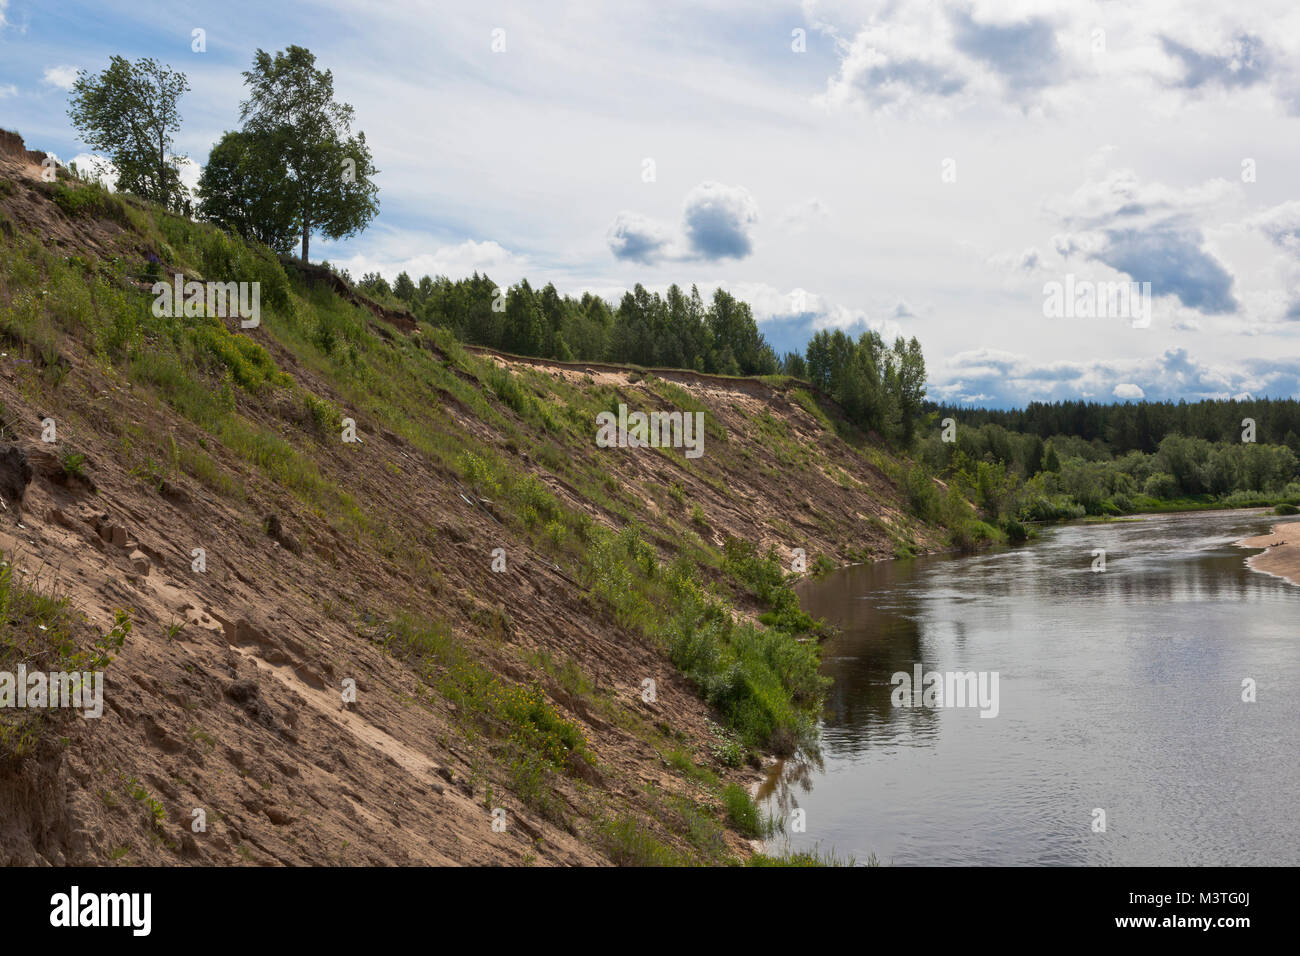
pixel 719 220
pixel 999 378
pixel 637 239
pixel 1281 225
pixel 717 223
pixel 950 54
pixel 395 251
pixel 61 76
pixel 8 90
pixel 97 167
pixel 1024 53
pixel 788 318
pixel 1243 61
pixel 1151 233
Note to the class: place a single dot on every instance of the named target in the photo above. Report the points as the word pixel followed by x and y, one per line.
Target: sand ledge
pixel 1281 554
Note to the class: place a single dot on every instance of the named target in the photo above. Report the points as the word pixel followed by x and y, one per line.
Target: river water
pixel 1118 691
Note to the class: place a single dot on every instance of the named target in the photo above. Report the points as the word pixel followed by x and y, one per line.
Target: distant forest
pixel 1141 426
pixel 1075 458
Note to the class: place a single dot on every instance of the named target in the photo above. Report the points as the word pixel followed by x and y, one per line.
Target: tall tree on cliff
pixel 295 125
pixel 129 112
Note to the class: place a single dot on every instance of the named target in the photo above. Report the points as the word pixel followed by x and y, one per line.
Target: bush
pixel 1161 485
pixel 923 497
pixel 1014 530
pixel 742 811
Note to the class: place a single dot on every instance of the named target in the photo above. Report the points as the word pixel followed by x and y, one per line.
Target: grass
pixel 255 408
pixel 538 741
pixel 41 629
pixel 629 842
pixel 802 858
pixel 742 812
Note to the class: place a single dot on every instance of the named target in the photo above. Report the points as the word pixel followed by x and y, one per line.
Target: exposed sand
pixel 1281 554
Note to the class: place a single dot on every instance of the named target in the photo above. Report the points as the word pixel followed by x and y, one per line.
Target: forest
pixel 1072 459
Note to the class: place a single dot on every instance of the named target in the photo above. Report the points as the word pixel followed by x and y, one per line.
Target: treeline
pixel 880 388
pixel 676 330
pixel 1141 426
pixel 1013 477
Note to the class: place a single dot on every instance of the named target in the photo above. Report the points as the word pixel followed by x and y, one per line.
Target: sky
pixel 930 169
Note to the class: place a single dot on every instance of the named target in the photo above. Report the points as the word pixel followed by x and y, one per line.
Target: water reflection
pixel 1118 689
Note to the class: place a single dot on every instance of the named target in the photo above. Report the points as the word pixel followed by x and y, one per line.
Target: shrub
pixel 742 811
pixel 1161 485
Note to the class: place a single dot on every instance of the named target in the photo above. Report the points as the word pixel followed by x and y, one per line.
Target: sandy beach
pixel 1281 555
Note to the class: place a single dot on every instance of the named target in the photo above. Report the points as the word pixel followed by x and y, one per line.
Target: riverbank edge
pixel 1280 556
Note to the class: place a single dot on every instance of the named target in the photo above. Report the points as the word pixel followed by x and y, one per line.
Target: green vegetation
pixel 90 201
pixel 812 857
pixel 129 112
pixel 41 630
pixel 880 389
pixel 1071 459
pixel 629 842
pixel 742 811
pixel 247 428
pixel 763 681
pixel 295 166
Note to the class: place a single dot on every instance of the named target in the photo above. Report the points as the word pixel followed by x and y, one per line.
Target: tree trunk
pixel 306 234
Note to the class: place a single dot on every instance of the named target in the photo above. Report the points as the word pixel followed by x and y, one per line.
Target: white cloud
pixel 1151 233
pixel 394 252
pixel 717 223
pixel 8 90
pixel 1001 378
pixel 98 167
pixel 942 56
pixel 800 217
pixel 719 220
pixel 61 76
pixel 633 237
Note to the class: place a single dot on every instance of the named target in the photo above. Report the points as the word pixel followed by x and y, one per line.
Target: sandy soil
pixel 1281 554
pixel 226 696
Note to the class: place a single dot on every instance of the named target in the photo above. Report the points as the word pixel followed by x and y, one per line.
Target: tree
pixel 794 364
pixel 404 288
pixel 1051 461
pixel 246 196
pixel 129 112
pixel 295 125
pixel 907 381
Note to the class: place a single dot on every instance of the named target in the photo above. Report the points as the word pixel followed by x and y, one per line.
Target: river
pixel 1118 691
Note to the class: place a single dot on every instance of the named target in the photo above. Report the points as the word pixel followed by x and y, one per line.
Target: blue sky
pixel 919 168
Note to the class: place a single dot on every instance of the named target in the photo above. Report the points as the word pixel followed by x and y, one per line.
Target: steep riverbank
pixel 364 597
